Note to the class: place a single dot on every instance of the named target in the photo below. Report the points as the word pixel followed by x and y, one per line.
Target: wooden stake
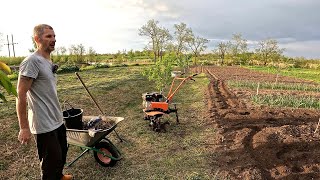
pixel 317 127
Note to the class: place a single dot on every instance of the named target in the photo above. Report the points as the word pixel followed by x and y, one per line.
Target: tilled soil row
pixel 260 142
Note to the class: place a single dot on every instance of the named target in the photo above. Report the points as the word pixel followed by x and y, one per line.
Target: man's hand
pixel 24 136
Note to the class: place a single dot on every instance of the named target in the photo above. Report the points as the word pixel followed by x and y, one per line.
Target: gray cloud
pixel 289 21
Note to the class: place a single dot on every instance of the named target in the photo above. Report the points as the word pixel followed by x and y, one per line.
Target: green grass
pixel 180 153
pixel 308 74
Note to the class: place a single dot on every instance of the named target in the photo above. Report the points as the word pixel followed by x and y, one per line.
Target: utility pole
pixel 8 44
pixel 12 43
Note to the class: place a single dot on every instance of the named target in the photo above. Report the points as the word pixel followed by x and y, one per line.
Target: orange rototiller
pixel 155 104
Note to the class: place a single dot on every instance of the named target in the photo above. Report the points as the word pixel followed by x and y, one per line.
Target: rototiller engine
pixel 155 104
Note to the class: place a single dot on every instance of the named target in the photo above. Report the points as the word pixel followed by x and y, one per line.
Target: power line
pixel 8 45
pixel 12 43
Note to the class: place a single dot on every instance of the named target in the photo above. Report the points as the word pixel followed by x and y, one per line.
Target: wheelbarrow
pixel 104 151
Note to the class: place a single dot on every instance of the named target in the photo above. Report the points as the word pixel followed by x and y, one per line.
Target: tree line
pixel 184 48
pixel 184 42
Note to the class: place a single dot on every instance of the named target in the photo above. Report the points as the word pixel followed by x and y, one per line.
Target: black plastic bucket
pixel 73 118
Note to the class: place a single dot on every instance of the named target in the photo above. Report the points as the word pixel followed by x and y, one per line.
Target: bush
pixel 101 65
pixel 87 68
pixel 68 68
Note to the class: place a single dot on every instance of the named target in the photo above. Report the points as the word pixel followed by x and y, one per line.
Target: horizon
pixel 110 26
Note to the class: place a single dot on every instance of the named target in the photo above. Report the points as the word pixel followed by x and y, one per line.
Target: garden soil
pixel 255 141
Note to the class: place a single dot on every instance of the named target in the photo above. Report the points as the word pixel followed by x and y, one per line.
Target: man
pixel 37 90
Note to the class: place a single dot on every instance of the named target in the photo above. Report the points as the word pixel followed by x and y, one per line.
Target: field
pixel 258 141
pixel 180 153
pixel 223 133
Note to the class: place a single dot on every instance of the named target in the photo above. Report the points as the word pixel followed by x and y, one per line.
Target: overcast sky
pixel 112 25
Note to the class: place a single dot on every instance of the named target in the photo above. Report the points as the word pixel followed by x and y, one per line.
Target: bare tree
pixel 269 50
pixel 34 45
pixel 222 50
pixel 63 50
pixel 238 45
pixel 182 34
pixel 159 37
pixel 78 52
pixel 197 45
pixel 162 41
pixel 91 54
pixel 151 30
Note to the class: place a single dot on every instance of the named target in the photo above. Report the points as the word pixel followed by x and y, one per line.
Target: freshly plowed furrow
pixel 259 142
pixel 224 99
pixel 230 100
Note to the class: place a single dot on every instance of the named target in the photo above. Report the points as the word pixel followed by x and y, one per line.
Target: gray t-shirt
pixel 44 111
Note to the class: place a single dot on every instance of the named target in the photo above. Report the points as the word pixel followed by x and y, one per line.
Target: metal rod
pixel 94 100
pixel 69 164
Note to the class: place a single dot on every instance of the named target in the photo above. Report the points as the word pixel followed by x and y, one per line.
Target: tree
pixel 160 72
pixel 268 50
pixel 33 49
pixel 151 30
pixel 91 54
pixel 5 81
pixel 182 34
pixel 138 53
pixel 59 53
pixel 118 57
pixel 131 55
pixel 238 47
pixel 159 37
pixel 78 52
pixel 162 41
pixel 222 50
pixel 197 45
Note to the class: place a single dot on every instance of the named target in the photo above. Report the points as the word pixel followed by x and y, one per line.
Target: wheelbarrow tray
pixel 82 137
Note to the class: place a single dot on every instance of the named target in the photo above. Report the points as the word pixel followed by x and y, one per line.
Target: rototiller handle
pixel 191 77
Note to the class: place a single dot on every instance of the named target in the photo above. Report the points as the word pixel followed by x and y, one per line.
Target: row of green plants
pixel 275 86
pixel 283 100
pixel 303 73
pixel 287 101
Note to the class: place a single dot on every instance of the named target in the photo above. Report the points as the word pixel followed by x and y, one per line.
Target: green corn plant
pixel 5 81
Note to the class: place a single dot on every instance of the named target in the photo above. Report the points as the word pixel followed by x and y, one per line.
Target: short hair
pixel 39 29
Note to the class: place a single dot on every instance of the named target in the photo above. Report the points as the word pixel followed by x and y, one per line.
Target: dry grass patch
pixel 180 153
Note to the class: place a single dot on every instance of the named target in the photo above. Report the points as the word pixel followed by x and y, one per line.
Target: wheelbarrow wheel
pixel 107 149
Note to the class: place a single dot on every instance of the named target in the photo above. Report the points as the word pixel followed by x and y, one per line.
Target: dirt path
pixel 260 142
